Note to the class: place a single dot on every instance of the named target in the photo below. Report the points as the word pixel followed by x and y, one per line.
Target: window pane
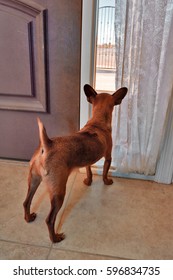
pixel 105 60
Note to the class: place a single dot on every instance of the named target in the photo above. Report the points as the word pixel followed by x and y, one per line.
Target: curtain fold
pixel 144 64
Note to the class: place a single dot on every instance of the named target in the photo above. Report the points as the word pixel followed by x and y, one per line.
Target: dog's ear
pixel 119 95
pixel 90 93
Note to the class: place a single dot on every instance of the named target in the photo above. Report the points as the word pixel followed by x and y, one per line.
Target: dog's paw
pixel 108 181
pixel 58 237
pixel 30 218
pixel 87 181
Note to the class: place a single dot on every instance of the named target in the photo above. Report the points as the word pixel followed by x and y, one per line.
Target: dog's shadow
pixel 73 197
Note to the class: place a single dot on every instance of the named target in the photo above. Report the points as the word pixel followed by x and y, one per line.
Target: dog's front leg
pixel 56 203
pixel 106 167
pixel 88 180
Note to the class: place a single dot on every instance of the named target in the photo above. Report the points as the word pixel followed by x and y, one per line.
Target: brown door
pixel 39 71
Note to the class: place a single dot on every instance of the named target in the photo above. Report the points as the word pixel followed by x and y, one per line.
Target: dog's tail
pixel 45 141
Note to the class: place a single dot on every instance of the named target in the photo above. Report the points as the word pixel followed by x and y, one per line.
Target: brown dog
pixel 55 158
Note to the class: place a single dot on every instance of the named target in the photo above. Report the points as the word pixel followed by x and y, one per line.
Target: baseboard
pixel 98 170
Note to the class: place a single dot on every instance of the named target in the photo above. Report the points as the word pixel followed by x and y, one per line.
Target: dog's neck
pixel 101 120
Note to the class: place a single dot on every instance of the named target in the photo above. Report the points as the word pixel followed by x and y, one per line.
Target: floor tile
pixel 14 251
pixel 13 178
pixel 131 219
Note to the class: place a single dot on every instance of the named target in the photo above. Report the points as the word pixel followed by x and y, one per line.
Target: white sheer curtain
pixel 144 64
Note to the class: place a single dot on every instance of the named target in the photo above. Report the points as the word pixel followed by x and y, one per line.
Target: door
pixel 39 72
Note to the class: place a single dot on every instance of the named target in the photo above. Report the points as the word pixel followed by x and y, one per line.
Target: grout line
pixel 62 250
pixel 50 250
pixel 90 253
pixel 25 244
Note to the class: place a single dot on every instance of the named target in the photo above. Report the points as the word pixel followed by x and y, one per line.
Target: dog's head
pixel 114 99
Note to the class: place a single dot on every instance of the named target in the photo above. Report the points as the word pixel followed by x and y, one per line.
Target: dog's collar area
pixel 101 128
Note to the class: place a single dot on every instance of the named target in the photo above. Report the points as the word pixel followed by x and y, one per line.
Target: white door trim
pixel 89 11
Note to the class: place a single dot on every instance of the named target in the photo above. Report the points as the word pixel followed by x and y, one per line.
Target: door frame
pixel 89 9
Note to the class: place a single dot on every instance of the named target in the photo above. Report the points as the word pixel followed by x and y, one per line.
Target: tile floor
pixel 130 219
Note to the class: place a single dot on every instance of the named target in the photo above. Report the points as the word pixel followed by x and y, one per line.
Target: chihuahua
pixel 55 158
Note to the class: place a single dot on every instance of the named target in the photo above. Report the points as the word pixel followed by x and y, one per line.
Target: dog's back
pixel 77 150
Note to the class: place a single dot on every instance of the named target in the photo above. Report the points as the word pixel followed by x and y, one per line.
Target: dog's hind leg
pixel 57 187
pixel 88 180
pixel 56 203
pixel 34 180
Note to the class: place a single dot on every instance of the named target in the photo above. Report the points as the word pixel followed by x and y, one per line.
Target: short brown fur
pixel 55 158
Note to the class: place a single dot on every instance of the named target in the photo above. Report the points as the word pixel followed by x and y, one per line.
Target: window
pixel 97 38
pixel 105 46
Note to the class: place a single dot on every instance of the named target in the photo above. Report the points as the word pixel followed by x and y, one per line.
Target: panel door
pixel 39 72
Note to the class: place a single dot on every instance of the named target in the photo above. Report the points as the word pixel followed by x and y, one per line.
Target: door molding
pixel 30 19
